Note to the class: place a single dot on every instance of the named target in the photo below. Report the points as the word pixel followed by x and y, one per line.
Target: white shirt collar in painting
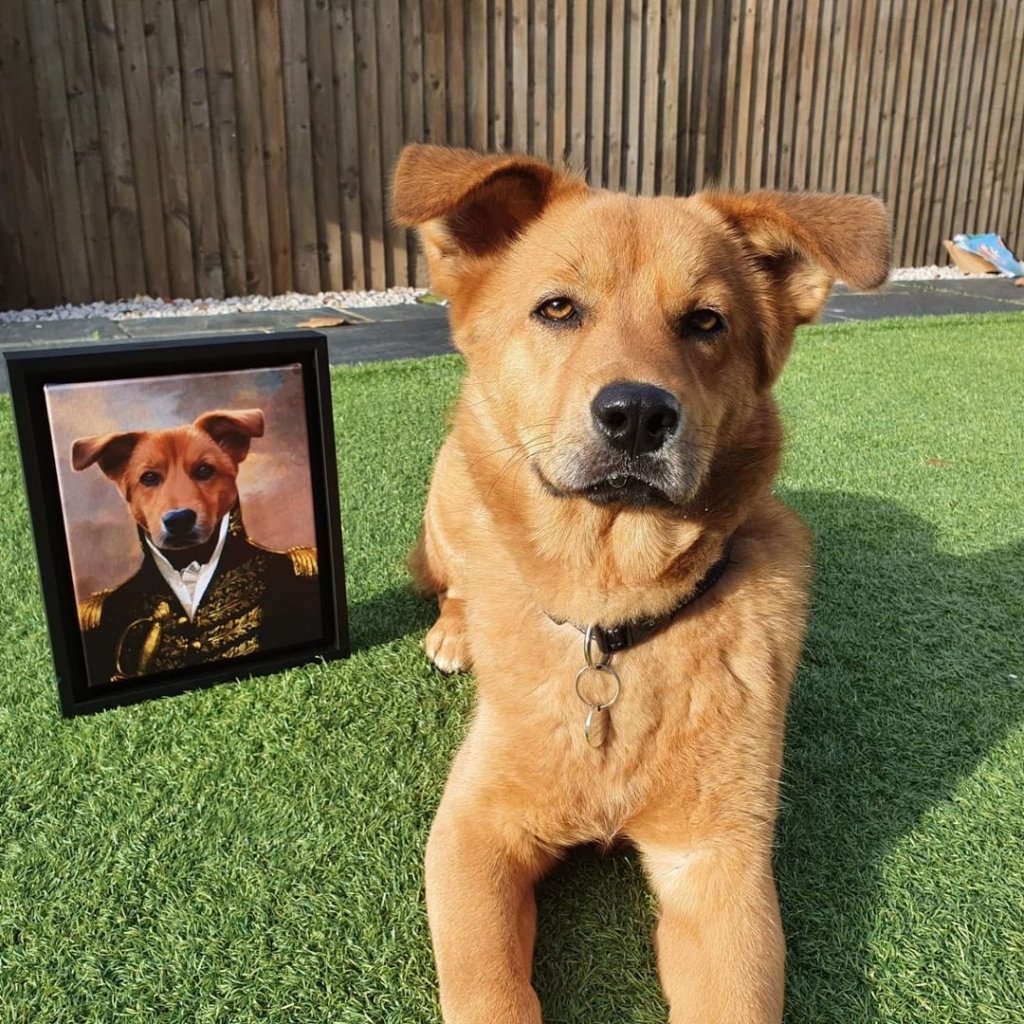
pixel 191 583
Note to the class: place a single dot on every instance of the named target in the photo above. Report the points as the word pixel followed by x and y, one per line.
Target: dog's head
pixel 623 347
pixel 180 482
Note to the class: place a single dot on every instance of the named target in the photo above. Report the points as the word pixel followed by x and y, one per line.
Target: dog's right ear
pixel 111 451
pixel 468 205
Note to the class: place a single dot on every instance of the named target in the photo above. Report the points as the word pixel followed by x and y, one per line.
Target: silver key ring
pixel 598 668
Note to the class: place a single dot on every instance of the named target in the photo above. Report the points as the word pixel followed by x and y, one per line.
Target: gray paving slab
pixel 414 331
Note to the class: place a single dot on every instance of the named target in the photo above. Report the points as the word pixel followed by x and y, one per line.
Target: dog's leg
pixel 483 916
pixel 720 946
pixel 435 566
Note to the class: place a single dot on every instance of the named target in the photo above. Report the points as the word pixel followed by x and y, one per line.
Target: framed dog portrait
pixel 184 501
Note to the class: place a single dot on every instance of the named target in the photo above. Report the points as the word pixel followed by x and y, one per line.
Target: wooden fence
pixel 211 147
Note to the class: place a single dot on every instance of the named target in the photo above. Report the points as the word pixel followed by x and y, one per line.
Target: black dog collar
pixel 628 634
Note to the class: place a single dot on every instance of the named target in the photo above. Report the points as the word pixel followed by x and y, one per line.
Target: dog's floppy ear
pixel 232 429
pixel 469 204
pixel 111 451
pixel 806 240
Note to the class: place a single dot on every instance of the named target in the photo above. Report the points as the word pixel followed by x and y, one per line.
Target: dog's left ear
pixel 470 205
pixel 807 240
pixel 232 429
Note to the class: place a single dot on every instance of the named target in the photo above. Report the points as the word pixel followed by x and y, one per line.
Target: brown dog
pixel 608 471
pixel 202 592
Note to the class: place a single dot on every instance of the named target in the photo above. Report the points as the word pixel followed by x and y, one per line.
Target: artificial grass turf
pixel 252 852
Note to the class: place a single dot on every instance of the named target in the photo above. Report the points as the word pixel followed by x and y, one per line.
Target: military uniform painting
pixel 256 601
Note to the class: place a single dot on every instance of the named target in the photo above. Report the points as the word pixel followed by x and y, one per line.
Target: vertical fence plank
pixel 324 144
pixel 435 71
pixel 60 176
pixel 412 108
pixel 347 110
pixel 578 46
pixel 119 172
pixel 899 109
pixel 368 105
pixel 143 146
pixel 650 135
pixel 499 134
pixel 455 57
pixel 275 152
pixel 169 127
pixel 670 87
pixel 92 189
pixel 539 135
pixel 476 77
pixel 633 89
pixel 557 80
pixel 519 71
pixel 389 41
pixel 259 271
pixel 301 188
pixel 14 292
pixel 596 120
pixel 224 132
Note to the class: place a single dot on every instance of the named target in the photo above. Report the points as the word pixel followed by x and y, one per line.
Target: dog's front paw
pixel 446 642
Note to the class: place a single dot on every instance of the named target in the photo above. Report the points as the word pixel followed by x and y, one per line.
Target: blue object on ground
pixel 991 248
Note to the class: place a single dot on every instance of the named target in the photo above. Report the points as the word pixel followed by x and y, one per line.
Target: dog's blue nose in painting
pixel 635 418
pixel 179 521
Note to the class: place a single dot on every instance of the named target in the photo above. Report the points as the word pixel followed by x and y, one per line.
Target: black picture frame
pixel 30 371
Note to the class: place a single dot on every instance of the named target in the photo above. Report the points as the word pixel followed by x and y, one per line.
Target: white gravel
pixel 143 306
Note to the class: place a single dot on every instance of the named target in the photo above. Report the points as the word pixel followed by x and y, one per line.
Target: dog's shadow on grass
pixel 391 615
pixel 905 683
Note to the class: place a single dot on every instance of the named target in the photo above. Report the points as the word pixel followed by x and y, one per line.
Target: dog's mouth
pixel 621 488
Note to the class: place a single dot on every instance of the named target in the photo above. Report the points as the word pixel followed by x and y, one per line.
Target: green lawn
pixel 252 852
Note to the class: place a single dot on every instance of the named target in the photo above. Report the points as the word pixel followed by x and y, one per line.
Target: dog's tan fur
pixel 690 770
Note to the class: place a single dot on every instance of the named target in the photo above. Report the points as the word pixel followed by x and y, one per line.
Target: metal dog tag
pixel 595 728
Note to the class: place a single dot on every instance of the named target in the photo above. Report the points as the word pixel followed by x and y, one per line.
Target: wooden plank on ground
pixel 324 144
pixel 85 136
pixel 61 179
pixel 389 41
pixel 119 171
pixel 259 270
pixel 169 128
pixel 301 187
pixel 275 150
pixel 372 184
pixel 142 139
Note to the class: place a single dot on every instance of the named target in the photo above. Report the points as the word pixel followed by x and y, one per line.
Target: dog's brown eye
pixel 150 478
pixel 558 311
pixel 703 322
pixel 203 471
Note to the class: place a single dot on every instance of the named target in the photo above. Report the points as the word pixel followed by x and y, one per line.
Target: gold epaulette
pixel 303 561
pixel 90 611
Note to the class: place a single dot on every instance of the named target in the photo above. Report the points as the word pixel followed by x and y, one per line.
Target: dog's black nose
pixel 635 418
pixel 179 521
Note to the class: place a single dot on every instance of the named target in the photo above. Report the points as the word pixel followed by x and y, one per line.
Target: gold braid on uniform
pixel 90 611
pixel 303 561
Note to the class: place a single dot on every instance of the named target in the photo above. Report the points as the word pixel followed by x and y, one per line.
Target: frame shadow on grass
pixel 903 687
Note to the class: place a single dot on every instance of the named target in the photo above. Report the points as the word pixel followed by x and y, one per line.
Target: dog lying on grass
pixel 203 591
pixel 608 557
